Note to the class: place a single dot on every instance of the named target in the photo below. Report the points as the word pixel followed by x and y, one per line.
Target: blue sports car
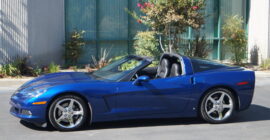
pixel 130 88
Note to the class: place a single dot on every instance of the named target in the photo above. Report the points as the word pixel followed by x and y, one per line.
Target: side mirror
pixel 140 80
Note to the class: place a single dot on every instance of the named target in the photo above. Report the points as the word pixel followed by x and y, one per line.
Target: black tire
pixel 209 118
pixel 83 117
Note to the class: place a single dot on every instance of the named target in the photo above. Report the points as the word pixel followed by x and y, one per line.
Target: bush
pixel 37 71
pixel 53 68
pixel 9 70
pixel 147 45
pixel 74 47
pixel 235 38
pixel 19 67
pixel 1 73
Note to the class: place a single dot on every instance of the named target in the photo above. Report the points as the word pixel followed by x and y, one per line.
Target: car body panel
pixel 154 97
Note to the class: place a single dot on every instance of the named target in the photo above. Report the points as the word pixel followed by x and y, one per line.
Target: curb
pixel 16 79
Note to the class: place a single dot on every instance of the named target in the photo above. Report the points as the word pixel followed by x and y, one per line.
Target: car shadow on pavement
pixel 144 123
pixel 35 127
pixel 254 113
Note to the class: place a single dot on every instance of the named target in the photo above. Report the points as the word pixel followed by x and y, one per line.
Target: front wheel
pixel 68 113
pixel 217 106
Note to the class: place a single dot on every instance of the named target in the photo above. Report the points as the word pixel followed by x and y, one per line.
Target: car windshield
pixel 118 69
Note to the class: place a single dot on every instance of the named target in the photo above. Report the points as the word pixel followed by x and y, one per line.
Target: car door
pixel 167 95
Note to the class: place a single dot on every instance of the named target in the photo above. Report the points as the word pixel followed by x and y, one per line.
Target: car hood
pixel 54 79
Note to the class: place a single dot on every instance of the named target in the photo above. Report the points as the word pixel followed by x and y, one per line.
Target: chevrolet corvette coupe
pixel 130 88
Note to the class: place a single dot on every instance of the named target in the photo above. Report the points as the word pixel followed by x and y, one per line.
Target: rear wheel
pixel 217 106
pixel 68 113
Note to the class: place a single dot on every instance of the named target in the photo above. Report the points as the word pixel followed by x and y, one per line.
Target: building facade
pixel 32 28
pixel 38 28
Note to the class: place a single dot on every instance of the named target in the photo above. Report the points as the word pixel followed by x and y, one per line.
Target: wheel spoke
pixel 227 106
pixel 212 99
pixel 71 103
pixel 78 113
pixel 60 119
pixel 211 111
pixel 60 107
pixel 221 98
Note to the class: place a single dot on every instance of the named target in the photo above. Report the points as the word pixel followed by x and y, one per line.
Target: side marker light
pixel 40 103
pixel 242 83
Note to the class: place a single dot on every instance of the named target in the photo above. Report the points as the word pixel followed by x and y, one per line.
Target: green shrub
pixel 53 68
pixel 235 38
pixel 74 47
pixel 37 71
pixel 9 70
pixel 18 67
pixel 1 73
pixel 146 44
pixel 265 65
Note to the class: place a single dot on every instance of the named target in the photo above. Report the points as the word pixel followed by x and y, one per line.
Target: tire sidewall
pixel 203 113
pixel 52 108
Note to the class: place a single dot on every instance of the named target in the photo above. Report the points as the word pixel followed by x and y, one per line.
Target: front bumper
pixel 24 110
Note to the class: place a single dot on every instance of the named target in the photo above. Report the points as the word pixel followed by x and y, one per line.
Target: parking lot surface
pixel 252 124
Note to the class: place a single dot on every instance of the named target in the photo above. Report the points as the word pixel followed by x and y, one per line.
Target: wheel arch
pixel 89 106
pixel 237 99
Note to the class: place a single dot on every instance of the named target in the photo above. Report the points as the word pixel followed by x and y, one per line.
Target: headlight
pixel 34 93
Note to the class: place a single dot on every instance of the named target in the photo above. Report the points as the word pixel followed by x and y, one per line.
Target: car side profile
pixel 130 89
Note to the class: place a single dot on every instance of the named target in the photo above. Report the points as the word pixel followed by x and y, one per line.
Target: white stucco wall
pixel 14 29
pixel 34 28
pixel 259 27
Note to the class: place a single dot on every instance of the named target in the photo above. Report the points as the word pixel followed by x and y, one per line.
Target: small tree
pixel 146 44
pixel 74 47
pixel 171 18
pixel 235 38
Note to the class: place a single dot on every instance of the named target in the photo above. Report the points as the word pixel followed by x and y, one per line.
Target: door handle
pixel 192 80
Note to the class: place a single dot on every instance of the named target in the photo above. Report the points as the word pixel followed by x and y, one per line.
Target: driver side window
pixel 168 67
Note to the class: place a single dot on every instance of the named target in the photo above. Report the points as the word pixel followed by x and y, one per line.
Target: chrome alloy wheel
pixel 219 105
pixel 68 113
